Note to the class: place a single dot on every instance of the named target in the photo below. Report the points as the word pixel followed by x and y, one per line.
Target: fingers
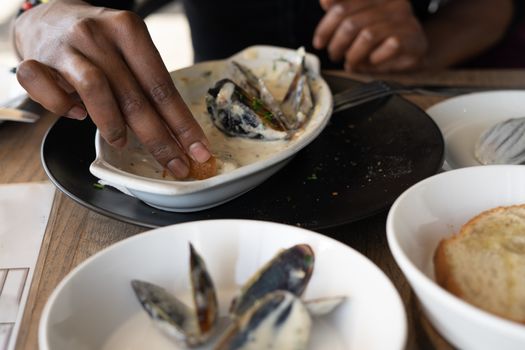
pixel 368 33
pixel 385 51
pixel 348 30
pixel 332 19
pixel 114 99
pixel 366 41
pixel 43 86
pixel 92 86
pixel 326 4
pixel 158 86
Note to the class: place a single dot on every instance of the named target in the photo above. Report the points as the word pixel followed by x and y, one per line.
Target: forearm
pixel 464 29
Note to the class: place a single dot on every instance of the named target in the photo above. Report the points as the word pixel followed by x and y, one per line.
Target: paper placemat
pixel 24 212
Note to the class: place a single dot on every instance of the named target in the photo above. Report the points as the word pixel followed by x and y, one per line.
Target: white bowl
pixel 144 179
pixel 462 119
pixel 436 208
pixel 94 306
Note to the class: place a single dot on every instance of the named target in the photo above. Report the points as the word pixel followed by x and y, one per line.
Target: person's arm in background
pixel 108 59
pixel 385 36
pixel 463 29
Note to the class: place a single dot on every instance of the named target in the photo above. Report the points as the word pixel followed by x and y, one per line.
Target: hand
pixel 371 35
pixel 107 59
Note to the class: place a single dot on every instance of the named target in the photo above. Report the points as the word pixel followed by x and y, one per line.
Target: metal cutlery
pixel 377 89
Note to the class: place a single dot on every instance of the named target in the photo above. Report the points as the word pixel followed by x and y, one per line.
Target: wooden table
pixel 75 233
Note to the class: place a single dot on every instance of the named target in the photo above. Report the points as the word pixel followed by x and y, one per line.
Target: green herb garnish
pixel 268 116
pixel 256 104
pixel 98 186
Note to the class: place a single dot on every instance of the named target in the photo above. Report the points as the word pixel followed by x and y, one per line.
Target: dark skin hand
pixel 381 36
pixel 106 58
pixel 371 35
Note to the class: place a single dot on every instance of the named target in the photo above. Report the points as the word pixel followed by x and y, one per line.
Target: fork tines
pixel 361 94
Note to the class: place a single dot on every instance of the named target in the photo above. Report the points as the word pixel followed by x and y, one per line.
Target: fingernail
pixel 393 42
pixel 178 168
pixel 77 112
pixel 199 152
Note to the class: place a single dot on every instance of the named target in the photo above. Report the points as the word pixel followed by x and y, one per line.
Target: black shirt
pixel 221 28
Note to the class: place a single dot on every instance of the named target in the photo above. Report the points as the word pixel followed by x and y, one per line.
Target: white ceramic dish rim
pixel 430 286
pixel 460 98
pixel 457 102
pixel 105 171
pixel 43 340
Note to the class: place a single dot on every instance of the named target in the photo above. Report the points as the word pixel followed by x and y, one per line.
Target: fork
pixel 380 88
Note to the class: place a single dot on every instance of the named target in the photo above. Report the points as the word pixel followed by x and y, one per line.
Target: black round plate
pixel 364 159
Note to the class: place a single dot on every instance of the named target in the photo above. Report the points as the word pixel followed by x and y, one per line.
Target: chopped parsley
pixel 256 104
pixel 98 186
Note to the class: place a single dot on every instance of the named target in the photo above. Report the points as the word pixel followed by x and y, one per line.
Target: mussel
pixel 237 113
pixel 279 320
pixel 244 106
pixel 298 101
pixel 289 270
pixel 191 327
pixel 268 312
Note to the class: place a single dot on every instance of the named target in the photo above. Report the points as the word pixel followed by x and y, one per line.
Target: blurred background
pixel 168 27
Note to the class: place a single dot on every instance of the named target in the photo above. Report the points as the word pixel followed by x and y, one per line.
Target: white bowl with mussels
pixel 244 158
pixel 95 306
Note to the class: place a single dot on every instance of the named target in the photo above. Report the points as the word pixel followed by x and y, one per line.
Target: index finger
pixel 153 77
pixel 333 18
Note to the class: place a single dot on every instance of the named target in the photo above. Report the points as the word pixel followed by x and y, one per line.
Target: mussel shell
pixel 278 321
pixel 204 295
pixel 169 314
pixel 232 111
pixel 289 270
pixel 298 102
pixel 257 88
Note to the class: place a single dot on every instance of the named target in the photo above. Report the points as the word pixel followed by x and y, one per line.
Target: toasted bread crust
pixel 201 171
pixel 443 269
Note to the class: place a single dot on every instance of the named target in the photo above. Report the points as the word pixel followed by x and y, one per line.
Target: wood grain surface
pixel 74 233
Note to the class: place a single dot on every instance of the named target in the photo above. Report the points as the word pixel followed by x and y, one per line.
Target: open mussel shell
pixel 190 326
pixel 289 270
pixel 298 102
pixel 168 313
pixel 277 321
pixel 236 112
pixel 503 143
pixel 204 295
pixel 256 87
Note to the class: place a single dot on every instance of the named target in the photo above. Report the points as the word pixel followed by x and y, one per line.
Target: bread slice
pixel 484 263
pixel 201 171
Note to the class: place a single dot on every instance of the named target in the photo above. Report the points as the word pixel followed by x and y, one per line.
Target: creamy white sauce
pixel 231 152
pixel 139 333
pixel 293 334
